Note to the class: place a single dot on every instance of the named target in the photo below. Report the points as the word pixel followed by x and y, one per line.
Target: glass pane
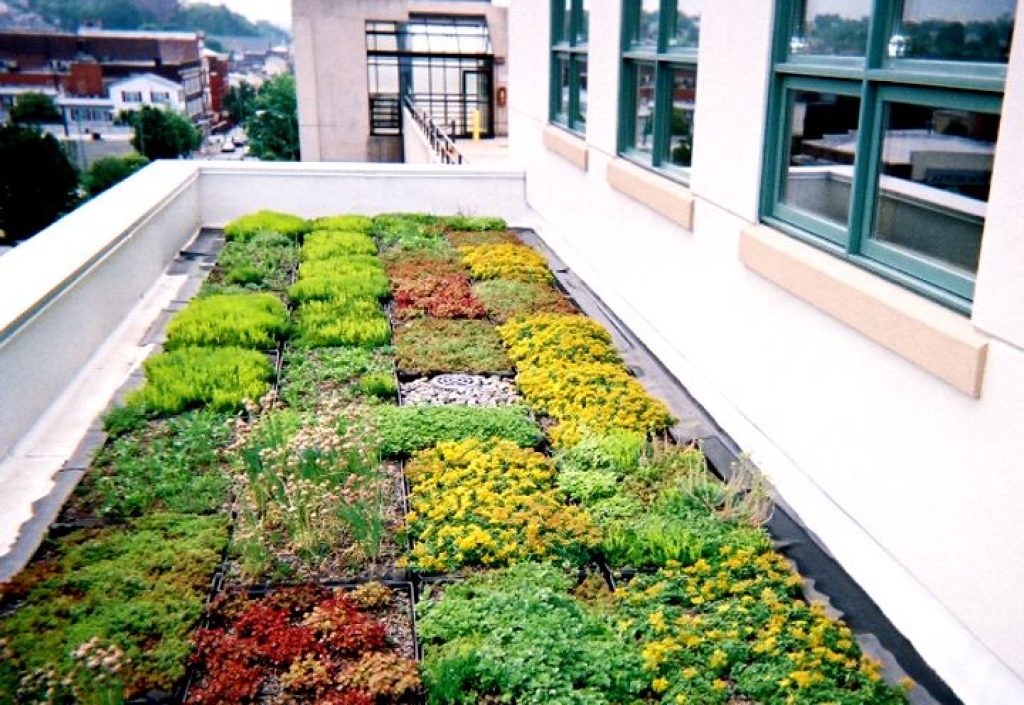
pixel 645 22
pixel 581 83
pixel 684 33
pixel 832 28
pixel 566 21
pixel 562 107
pixel 954 31
pixel 583 28
pixel 936 169
pixel 818 170
pixel 643 110
pixel 680 137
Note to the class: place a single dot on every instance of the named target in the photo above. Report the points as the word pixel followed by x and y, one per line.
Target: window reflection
pixel 583 30
pixel 646 23
pixel 563 88
pixel 936 169
pixel 818 170
pixel 679 149
pixel 684 32
pixel 832 29
pixel 957 31
pixel 566 21
pixel 581 82
pixel 643 130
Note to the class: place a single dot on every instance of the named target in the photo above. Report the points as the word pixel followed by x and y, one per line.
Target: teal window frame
pixel 573 50
pixel 877 80
pixel 665 60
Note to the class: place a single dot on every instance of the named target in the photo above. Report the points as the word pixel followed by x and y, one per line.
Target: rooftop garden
pixel 387 460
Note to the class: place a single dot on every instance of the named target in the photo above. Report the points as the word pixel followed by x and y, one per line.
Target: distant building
pixel 356 62
pixel 148 89
pixel 84 64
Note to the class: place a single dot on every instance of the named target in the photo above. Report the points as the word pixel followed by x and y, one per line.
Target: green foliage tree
pixel 108 171
pixel 161 134
pixel 274 125
pixel 38 183
pixel 240 102
pixel 34 108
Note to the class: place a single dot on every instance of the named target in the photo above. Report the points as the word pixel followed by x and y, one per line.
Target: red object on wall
pixel 84 79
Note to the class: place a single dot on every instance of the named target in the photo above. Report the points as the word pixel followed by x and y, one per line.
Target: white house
pixel 147 89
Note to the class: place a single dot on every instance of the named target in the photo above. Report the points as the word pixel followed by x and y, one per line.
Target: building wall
pixel 330 69
pixel 913 484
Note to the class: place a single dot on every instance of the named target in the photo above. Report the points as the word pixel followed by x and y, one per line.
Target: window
pixel 160 96
pixel 882 134
pixel 659 85
pixel 131 96
pixel 570 20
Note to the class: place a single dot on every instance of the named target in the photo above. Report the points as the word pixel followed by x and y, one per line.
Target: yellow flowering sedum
pixel 569 370
pixel 506 261
pixel 490 503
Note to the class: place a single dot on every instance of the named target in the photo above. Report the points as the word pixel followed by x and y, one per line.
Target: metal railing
pixel 440 142
pixel 385 114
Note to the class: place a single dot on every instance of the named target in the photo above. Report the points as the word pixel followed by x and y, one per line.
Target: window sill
pixel 566 145
pixel 657 192
pixel 930 336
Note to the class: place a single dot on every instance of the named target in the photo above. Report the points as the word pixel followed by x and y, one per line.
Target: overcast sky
pixel 277 11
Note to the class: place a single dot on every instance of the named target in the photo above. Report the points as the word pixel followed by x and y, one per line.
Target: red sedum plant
pixel 302 644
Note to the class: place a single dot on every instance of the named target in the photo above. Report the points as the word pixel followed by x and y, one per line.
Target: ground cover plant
pixel 266 221
pixel 170 464
pixel 569 371
pixel 340 277
pixel 263 262
pixel 314 376
pixel 347 222
pixel 437 296
pixel 734 628
pixel 516 635
pixel 107 612
pixel 305 644
pixel 506 261
pixel 255 321
pixel 222 379
pixel 342 321
pixel 430 345
pixel 506 299
pixel 490 503
pixel 327 244
pixel 472 238
pixel 314 500
pixel 409 231
pixel 405 429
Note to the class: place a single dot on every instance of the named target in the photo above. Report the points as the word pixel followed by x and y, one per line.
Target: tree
pixel 240 102
pixel 34 108
pixel 38 183
pixel 273 127
pixel 108 171
pixel 161 134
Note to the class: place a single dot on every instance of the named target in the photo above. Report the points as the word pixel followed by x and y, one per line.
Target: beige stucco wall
pixel 330 69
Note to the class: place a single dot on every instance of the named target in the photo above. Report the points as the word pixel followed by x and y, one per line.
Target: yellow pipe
pixel 476 125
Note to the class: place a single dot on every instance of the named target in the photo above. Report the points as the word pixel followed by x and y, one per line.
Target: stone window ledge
pixel 659 193
pixel 566 145
pixel 932 337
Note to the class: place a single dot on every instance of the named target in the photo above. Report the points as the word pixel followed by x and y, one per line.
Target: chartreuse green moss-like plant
pixel 349 222
pixel 342 321
pixel 132 593
pixel 410 231
pixel 405 429
pixel 340 277
pixel 472 222
pixel 327 244
pixel 221 379
pixel 516 635
pixel 266 221
pixel 254 321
